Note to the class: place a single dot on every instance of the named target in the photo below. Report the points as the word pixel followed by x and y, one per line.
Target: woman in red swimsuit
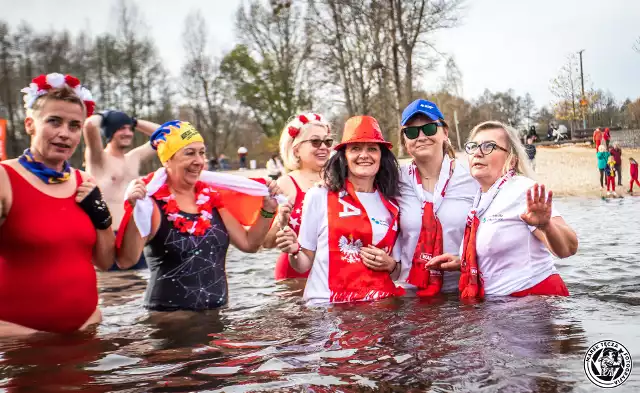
pixel 304 148
pixel 53 221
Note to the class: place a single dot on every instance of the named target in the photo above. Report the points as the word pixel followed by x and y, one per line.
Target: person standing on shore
pixel 597 138
pixel 274 167
pixel 602 156
pixel 616 153
pixel 242 156
pixel 530 148
pixel 115 165
pixel 633 171
pixel 304 146
pixel 611 176
pixel 606 136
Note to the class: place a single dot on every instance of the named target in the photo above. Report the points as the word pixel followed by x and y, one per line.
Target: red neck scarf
pixel 471 285
pixel 350 230
pixel 430 241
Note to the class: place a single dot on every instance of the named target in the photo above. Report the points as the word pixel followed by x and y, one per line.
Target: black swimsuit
pixel 187 272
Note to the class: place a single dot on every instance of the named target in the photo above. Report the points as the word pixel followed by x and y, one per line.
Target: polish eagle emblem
pixel 350 249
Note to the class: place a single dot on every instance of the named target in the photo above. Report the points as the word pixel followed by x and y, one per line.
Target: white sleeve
pixel 312 214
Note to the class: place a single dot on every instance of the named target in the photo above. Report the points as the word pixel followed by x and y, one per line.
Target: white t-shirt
pixel 314 236
pixel 451 210
pixel 510 257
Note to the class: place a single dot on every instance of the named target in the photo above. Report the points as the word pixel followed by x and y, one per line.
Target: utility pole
pixel 583 101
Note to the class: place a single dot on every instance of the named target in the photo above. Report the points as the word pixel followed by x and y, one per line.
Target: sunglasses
pixel 485 147
pixel 316 143
pixel 429 129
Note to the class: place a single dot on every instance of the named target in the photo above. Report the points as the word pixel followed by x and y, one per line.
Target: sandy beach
pixel 569 170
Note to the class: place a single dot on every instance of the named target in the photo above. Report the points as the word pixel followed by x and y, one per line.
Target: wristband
pixel 134 123
pixel 394 268
pixel 297 251
pixel 267 214
pixel 96 209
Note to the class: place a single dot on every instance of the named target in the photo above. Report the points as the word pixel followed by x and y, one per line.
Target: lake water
pixel 267 340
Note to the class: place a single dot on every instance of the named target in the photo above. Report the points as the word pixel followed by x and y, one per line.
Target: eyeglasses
pixel 485 147
pixel 429 129
pixel 316 143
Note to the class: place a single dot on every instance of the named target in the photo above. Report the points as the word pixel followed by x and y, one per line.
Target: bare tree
pixel 566 88
pixel 452 81
pixel 201 78
pixel 413 25
pixel 528 107
pixel 270 69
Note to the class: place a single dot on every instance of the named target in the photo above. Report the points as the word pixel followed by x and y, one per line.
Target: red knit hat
pixel 362 129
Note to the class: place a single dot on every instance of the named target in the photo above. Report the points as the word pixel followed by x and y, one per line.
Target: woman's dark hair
pixel 336 170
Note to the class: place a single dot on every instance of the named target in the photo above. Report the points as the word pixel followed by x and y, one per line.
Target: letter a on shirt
pixel 348 209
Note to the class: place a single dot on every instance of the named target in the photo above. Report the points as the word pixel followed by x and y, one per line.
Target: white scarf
pixel 143 209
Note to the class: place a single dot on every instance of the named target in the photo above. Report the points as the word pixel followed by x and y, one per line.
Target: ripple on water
pixel 267 340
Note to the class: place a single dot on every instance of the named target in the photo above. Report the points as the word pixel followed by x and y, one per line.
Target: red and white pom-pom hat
pixel 41 84
pixel 300 120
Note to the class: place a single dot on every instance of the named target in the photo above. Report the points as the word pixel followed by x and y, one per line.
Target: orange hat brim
pixel 388 145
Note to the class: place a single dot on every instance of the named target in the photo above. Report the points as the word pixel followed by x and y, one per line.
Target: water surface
pixel 267 340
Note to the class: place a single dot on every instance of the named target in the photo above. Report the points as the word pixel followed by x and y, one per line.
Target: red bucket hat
pixel 362 129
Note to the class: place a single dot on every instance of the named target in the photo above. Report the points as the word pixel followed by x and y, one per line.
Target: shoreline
pixel 567 170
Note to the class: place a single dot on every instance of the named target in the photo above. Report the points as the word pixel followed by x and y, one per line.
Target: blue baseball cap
pixel 425 107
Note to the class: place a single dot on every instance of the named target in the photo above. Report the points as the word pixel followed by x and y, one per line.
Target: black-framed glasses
pixel 429 129
pixel 485 147
pixel 316 143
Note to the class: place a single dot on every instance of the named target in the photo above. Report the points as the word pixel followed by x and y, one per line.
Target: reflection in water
pixel 267 340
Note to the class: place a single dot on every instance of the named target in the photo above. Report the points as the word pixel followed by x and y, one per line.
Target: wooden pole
pixel 455 120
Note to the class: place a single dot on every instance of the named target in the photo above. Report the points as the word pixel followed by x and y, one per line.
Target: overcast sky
pixel 501 44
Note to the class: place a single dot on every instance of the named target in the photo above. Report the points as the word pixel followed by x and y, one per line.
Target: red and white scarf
pixel 240 195
pixel 430 242
pixel 471 285
pixel 350 230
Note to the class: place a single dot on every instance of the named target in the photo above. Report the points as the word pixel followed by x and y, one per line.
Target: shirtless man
pixel 112 166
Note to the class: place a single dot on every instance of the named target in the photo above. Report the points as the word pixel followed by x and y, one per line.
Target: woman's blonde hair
pixel 601 148
pixel 296 130
pixel 515 147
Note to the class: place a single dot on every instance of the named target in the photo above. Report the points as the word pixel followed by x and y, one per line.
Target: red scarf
pixel 430 241
pixel 350 230
pixel 471 285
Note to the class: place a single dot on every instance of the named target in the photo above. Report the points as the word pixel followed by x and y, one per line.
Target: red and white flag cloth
pixel 243 194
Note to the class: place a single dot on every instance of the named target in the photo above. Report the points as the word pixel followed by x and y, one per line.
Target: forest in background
pixel 338 57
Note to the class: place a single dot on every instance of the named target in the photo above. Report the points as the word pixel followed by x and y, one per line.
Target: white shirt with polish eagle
pixel 314 236
pixel 510 257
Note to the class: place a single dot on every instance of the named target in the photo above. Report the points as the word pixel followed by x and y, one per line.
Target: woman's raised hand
pixel 538 213
pixel 136 191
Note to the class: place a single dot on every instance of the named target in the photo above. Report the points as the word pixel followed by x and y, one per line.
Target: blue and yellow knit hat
pixel 173 136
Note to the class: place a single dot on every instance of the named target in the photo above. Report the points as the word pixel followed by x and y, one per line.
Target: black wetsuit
pixel 187 272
